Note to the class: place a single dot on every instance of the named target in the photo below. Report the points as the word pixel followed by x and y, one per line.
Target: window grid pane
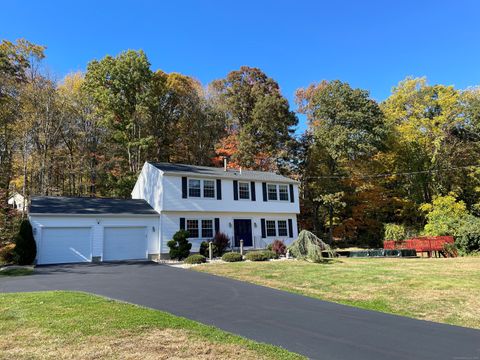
pixel 272 192
pixel 194 188
pixel 207 228
pixel 192 228
pixel 271 229
pixel 282 228
pixel 283 191
pixel 208 189
pixel 244 190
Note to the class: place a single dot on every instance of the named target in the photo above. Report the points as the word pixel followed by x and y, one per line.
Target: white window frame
pixel 200 228
pixel 274 228
pixel 278 228
pixel 268 192
pixel 288 195
pixel 202 194
pixel 248 190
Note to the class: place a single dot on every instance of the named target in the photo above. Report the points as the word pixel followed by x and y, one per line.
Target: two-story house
pixel 253 206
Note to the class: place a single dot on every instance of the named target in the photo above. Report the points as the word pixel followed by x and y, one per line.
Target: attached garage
pixel 75 230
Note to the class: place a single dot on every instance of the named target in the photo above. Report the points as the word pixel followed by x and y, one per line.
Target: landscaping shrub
pixel 279 247
pixel 309 247
pixel 220 243
pixel 204 248
pixel 261 255
pixel 179 245
pixel 25 249
pixel 467 236
pixel 7 255
pixel 232 257
pixel 195 259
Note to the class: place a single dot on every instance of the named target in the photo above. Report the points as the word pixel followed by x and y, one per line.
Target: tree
pixel 444 215
pixel 346 129
pixel 121 88
pixel 179 245
pixel 258 117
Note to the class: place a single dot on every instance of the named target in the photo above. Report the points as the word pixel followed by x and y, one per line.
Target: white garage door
pixel 125 243
pixel 65 245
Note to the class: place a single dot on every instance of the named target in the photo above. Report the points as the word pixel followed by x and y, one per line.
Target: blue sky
pixel 369 44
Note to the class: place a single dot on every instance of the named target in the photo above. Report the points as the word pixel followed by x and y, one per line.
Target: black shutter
pixel 292 199
pixel 235 190
pixel 264 230
pixel 217 225
pixel 182 223
pixel 290 228
pixel 219 189
pixel 252 190
pixel 184 187
pixel 264 187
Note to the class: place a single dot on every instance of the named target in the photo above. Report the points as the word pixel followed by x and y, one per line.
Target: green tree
pixel 444 215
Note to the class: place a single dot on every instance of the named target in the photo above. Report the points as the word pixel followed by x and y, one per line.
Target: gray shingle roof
pixel 218 172
pixel 89 206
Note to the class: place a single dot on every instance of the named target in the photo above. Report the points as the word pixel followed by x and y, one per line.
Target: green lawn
pixel 16 272
pixel 66 325
pixel 442 290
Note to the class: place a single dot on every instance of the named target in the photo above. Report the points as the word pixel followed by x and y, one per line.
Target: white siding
pixel 149 186
pixel 97 224
pixel 173 201
pixel 171 224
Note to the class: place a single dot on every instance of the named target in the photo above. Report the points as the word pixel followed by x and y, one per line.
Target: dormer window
pixel 198 188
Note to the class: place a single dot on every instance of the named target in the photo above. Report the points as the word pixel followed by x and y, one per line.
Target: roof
pixel 89 206
pixel 219 172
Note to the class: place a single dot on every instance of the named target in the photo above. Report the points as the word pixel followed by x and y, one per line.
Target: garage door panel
pixel 65 245
pixel 124 243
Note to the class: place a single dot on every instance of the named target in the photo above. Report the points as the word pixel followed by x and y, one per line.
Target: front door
pixel 243 231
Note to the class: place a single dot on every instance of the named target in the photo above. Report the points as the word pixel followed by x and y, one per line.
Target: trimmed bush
pixel 232 257
pixel 179 245
pixel 25 249
pixel 279 247
pixel 261 255
pixel 309 247
pixel 196 259
pixel 7 255
pixel 204 248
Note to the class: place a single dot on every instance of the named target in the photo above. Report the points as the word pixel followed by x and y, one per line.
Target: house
pixel 17 201
pixel 253 206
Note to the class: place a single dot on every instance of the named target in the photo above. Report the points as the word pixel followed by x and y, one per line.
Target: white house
pixel 253 206
pixel 17 201
pixel 256 207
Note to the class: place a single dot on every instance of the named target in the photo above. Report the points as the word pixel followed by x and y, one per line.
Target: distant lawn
pixel 441 290
pixel 67 325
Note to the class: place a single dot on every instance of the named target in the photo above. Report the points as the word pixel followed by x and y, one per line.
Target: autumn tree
pixel 347 129
pixel 258 117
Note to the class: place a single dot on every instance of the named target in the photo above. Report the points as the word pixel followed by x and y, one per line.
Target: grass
pixel 441 290
pixel 66 325
pixel 16 272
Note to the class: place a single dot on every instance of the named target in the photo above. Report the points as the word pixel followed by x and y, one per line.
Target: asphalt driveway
pixel 315 328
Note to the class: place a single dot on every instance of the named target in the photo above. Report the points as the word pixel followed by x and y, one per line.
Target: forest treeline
pixel 362 164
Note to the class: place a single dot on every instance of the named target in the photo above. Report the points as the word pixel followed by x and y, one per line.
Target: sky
pixel 369 44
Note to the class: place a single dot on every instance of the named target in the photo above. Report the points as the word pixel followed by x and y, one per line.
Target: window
pixel 272 192
pixel 271 228
pixel 192 228
pixel 282 228
pixel 244 190
pixel 283 192
pixel 194 188
pixel 207 229
pixel 208 188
